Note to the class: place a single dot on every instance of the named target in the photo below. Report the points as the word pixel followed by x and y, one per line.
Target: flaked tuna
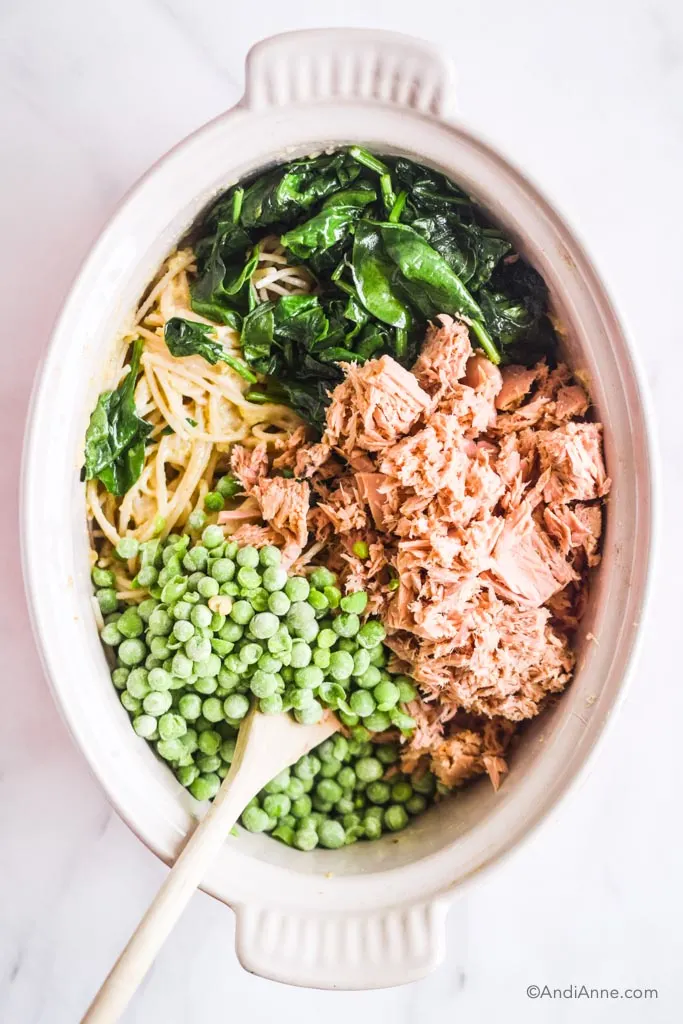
pixel 376 404
pixel 572 455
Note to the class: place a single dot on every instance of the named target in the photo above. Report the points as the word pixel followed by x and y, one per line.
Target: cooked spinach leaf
pixel 115 438
pixel 190 338
pixel 390 244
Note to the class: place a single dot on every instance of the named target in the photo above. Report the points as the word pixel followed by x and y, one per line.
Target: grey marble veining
pixel 588 98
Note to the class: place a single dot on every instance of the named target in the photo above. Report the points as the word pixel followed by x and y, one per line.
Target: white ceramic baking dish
pixel 372 914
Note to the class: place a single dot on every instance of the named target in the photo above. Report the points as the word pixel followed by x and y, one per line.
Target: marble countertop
pixel 588 98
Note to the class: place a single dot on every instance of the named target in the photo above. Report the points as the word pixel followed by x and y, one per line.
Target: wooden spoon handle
pixel 174 895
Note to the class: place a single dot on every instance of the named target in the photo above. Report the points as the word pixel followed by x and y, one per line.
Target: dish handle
pixel 338 65
pixel 378 949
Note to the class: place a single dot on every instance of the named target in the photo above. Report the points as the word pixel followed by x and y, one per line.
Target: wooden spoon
pixel 265 746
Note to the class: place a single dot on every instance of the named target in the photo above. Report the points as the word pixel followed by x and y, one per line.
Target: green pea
pixel 388 753
pixel 305 839
pixel 183 630
pixel 295 788
pixel 205 787
pixel 276 805
pixel 196 520
pixel 119 676
pixel 278 603
pixel 279 783
pixel 103 578
pixel 130 703
pixel 160 679
pixel 137 683
pixel 263 684
pixel 308 677
pixel 301 654
pixel 228 486
pixel 190 706
pixel 378 792
pixel 127 548
pixel 132 652
pixel 341 665
pixel 321 658
pixel 284 832
pixel 172 727
pixel 271 705
pixel 187 774
pixel 386 694
pixel 347 624
pixel 395 817
pixel 181 666
pixel 362 703
pixel 107 600
pixel 401 720
pixel 329 790
pixel 212 708
pixel 301 807
pixel 231 631
pixel 344 805
pixel 331 835
pixel 322 577
pixel 212 536
pixel 372 827
pixel 275 579
pixel 346 777
pixel 330 767
pixel 227 750
pixel 416 805
pixel 236 706
pixel 401 791
pixel 248 557
pixel 198 648
pixel 305 768
pixel 264 625
pixel 332 596
pixel 157 703
pixel 208 763
pixel 379 721
pixel 407 690
pixel 369 769
pixel 309 715
pixel 348 719
pixel 355 603
pixel 297 589
pixel 146 607
pixel 209 667
pixel 160 622
pixel 145 726
pixel 371 634
pixel 241 612
pixel 318 601
pixel 110 635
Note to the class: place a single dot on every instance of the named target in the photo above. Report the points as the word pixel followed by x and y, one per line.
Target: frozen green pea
pixel 416 804
pixel 107 600
pixel 119 677
pixel 212 709
pixel 361 661
pixel 187 774
pixel 330 767
pixel 299 613
pixel 196 520
pixel 263 684
pixel 228 680
pixel 346 777
pixel 212 536
pixel 276 805
pixel 200 616
pixel 355 602
pixel 198 648
pixel 146 607
pixel 235 706
pixel 297 589
pixel 208 763
pixel 183 630
pixel 170 750
pixel 157 702
pixel 295 788
pixel 401 720
pixel 333 595
pixel 278 603
pixel 362 703
pixel 308 677
pixel 207 587
pixel 254 819
pixel 206 685
pixel 209 667
pixel 145 726
pixel 372 827
pixel 205 787
pixel 227 750
pixel 264 625
pixel 321 658
pixel 190 706
pixel 137 683
pixel 370 678
pixel 110 635
pixel 302 806
pixel 309 715
pixel 247 557
pixel 395 817
pixel 341 665
pixel 103 577
pixel 321 577
pixel 181 666
pixel 378 792
pixel 348 719
pixel 269 555
pixel 369 769
pixel 231 631
pixel 386 694
pixel 301 654
pixel 371 634
pixel 130 703
pixel 250 653
pixel 279 783
pixel 308 631
pixel 378 721
pixel 318 601
pixel 326 638
pixel 388 753
pixel 407 690
pixel 132 652
pixel 160 622
pixel 275 579
pixel 268 663
pixel 242 612
pixel 160 679
pixel 271 705
pixel 329 790
pixel 331 835
pixel 172 726
pixel 306 839
pixel 346 624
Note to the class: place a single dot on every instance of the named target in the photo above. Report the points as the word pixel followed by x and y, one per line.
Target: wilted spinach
pixel 190 338
pixel 390 243
pixel 115 438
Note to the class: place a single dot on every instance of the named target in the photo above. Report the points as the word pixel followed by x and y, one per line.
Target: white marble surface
pixel 588 97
